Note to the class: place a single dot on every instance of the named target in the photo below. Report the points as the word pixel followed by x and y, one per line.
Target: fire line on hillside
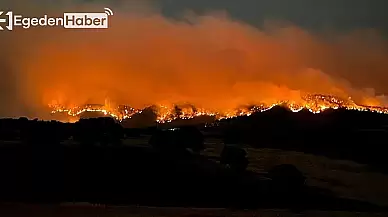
pixel 315 103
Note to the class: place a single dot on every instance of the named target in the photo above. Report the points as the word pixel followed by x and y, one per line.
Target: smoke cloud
pixel 211 61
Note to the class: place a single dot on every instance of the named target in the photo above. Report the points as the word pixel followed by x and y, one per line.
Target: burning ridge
pixel 315 103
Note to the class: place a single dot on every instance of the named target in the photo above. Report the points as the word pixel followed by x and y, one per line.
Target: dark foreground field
pixel 80 210
pixel 136 174
pixel 96 161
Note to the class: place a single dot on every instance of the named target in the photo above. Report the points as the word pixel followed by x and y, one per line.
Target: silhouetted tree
pixel 41 133
pixel 105 131
pixel 234 157
pixel 190 137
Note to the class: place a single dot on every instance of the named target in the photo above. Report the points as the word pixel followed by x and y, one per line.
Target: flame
pixel 315 103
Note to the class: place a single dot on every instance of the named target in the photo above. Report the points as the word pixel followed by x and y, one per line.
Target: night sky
pixel 317 14
pixel 314 15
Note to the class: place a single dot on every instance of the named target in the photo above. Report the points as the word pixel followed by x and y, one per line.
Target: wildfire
pixel 315 103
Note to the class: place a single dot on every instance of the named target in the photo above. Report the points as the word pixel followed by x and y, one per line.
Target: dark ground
pixel 36 168
pixel 141 175
pixel 10 210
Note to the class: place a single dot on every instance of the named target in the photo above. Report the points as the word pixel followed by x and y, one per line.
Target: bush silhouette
pixel 191 137
pixel 41 133
pixel 104 131
pixel 234 157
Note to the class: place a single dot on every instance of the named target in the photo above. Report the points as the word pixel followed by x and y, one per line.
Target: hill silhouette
pixel 340 134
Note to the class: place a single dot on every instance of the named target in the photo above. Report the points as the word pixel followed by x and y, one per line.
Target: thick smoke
pixel 210 61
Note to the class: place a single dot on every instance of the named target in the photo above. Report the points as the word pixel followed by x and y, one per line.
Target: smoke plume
pixel 211 61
